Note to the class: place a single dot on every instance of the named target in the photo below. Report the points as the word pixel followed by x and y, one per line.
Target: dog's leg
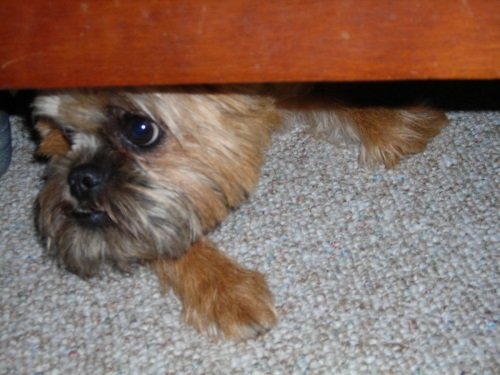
pixel 385 134
pixel 218 296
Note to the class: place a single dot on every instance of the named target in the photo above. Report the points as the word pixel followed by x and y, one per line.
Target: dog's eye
pixel 140 131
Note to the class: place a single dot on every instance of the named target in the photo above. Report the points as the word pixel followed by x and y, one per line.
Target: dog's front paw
pixel 219 297
pixel 237 305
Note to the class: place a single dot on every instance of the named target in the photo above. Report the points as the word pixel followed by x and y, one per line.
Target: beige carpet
pixel 374 272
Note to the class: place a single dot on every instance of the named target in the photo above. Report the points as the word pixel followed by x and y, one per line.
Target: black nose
pixel 85 181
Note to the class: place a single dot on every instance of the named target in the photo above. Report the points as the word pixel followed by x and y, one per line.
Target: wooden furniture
pixel 64 43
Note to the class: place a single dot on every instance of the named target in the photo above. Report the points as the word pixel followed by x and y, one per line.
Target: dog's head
pixel 137 175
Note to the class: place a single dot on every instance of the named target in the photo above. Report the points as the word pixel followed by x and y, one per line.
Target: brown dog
pixel 141 176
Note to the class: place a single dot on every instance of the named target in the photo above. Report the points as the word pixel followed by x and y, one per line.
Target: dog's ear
pixel 53 142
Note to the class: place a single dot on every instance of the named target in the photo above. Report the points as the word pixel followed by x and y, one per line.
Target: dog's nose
pixel 85 180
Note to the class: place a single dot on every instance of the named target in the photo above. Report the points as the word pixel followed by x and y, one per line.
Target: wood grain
pixel 101 43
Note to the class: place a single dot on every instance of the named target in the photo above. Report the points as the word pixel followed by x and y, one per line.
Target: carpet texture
pixel 373 272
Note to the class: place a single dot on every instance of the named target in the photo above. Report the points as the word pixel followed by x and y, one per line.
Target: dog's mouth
pixel 91 219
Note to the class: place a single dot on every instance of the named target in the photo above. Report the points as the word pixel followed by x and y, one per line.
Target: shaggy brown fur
pixel 143 175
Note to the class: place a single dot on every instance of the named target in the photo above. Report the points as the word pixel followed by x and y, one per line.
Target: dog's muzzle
pixel 85 182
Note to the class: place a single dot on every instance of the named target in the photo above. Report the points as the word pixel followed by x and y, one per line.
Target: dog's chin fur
pixel 158 202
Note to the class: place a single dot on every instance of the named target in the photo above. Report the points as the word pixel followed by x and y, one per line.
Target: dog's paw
pixel 219 297
pixel 237 306
pixel 394 134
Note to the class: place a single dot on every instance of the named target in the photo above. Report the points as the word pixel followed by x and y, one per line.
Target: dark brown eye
pixel 140 131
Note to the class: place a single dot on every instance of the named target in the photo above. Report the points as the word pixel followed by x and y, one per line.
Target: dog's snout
pixel 85 180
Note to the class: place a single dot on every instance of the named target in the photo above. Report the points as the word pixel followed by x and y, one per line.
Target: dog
pixel 141 177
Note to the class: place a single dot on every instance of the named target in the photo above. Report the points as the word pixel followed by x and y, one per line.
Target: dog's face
pixel 138 175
